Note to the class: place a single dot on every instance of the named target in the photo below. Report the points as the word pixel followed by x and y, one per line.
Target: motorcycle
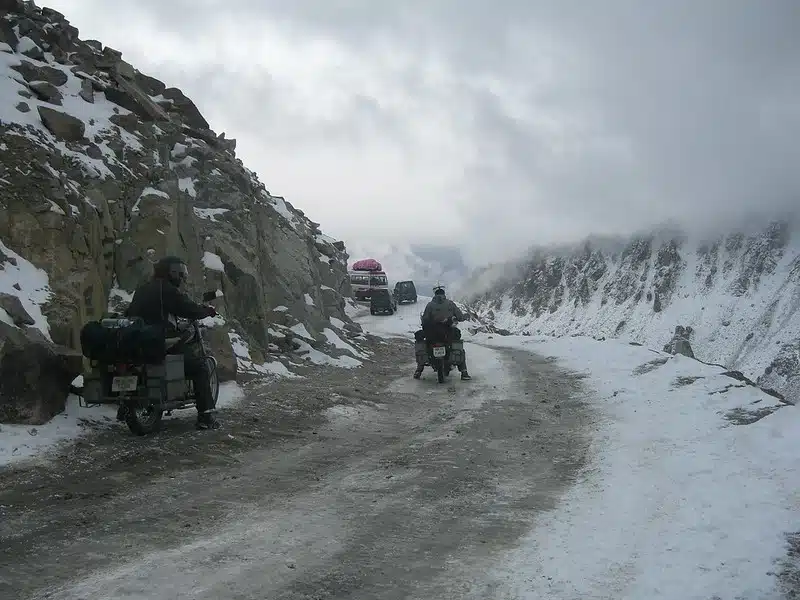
pixel 143 391
pixel 437 348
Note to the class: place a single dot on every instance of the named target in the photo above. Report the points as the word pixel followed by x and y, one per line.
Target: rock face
pixel 114 169
pixel 739 294
pixel 679 344
pixel 783 373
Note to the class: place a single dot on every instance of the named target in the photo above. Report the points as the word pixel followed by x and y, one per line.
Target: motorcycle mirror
pixel 209 296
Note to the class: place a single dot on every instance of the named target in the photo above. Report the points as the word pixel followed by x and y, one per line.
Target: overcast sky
pixel 512 121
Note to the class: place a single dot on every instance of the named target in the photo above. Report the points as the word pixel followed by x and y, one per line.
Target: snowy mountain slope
pixel 740 293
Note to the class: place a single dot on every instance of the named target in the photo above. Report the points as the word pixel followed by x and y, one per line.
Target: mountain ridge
pixel 739 292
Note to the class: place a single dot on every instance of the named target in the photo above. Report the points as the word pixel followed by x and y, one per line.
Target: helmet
pixel 173 269
pixel 438 290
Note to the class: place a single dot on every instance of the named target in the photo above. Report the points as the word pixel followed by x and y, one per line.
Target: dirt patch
pixel 686 380
pixel 744 416
pixel 650 366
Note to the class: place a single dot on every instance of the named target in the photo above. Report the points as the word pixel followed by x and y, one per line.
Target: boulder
pixel 12 305
pixel 31 72
pixel 186 108
pixel 783 372
pixel 87 91
pixel 46 91
pixel 60 124
pixel 679 344
pixel 34 376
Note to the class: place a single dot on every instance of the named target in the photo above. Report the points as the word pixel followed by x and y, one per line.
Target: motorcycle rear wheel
pixel 143 421
pixel 213 377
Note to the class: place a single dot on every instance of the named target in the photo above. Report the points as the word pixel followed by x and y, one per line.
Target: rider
pixel 159 301
pixel 439 309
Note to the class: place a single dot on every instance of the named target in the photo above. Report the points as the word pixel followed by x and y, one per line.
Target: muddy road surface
pixel 349 484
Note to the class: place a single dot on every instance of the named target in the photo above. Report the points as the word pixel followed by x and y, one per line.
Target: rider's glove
pixel 212 312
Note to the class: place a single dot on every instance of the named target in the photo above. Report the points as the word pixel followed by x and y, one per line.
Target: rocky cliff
pixel 738 295
pixel 104 169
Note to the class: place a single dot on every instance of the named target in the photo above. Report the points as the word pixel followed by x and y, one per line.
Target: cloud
pixel 488 125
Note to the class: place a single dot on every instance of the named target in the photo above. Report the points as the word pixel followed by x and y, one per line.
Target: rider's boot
pixel 465 375
pixel 418 372
pixel 207 420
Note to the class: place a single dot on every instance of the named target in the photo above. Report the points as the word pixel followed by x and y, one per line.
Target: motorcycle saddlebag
pixel 137 343
pixel 457 352
pixel 421 352
pixel 166 379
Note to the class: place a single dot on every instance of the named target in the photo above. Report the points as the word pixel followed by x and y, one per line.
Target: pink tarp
pixel 367 264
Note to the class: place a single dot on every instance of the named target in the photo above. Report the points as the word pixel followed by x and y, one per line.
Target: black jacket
pixel 158 300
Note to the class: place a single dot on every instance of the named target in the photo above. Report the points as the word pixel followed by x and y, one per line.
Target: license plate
pixel 124 384
pixel 439 351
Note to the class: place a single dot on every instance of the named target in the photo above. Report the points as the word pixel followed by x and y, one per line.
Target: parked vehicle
pixel 405 291
pixel 147 389
pixel 382 301
pixel 366 276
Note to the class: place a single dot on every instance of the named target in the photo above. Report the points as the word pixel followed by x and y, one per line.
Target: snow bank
pixel 689 491
pixel 210 214
pixel 22 442
pixel 245 363
pixel 213 262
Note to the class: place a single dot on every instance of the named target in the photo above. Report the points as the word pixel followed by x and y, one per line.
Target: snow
pixel 213 261
pixel 230 393
pixel 320 358
pixel 23 442
pixel 119 295
pixel 212 322
pixel 309 300
pixel 148 191
pixel 96 117
pixel 337 342
pixel 353 309
pixel 31 442
pixel 187 184
pixel 677 502
pixel 210 214
pixel 301 330
pixel 281 308
pixel 280 206
pixel 26 44
pixel 338 323
pixel 245 363
pixel 34 288
pixel 178 150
